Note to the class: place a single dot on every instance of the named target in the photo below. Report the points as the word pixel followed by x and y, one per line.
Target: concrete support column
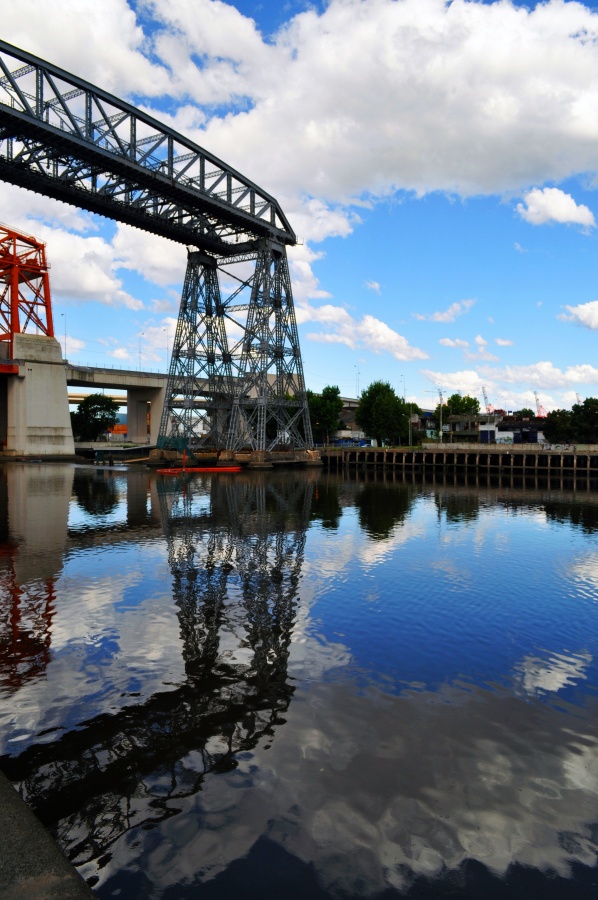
pixel 137 414
pixel 37 410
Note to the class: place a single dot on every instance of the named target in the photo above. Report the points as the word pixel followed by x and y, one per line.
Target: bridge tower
pixel 243 393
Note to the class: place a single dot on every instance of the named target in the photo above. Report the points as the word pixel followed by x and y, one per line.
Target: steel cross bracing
pixel 200 384
pixel 247 392
pixel 66 138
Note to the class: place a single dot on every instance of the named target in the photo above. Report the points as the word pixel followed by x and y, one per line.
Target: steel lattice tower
pixel 200 385
pixel 252 396
pixel 270 406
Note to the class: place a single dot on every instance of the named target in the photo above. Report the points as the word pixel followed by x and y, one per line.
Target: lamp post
pixel 141 334
pixel 64 317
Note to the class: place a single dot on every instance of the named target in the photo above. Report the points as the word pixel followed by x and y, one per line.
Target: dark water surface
pixel 295 685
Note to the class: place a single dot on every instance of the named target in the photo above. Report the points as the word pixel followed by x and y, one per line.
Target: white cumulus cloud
pixel 459 308
pixel 543 374
pixel 553 205
pixel 456 342
pixel 586 314
pixel 368 332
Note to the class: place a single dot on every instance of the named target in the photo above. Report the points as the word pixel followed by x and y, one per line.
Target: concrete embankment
pixel 32 867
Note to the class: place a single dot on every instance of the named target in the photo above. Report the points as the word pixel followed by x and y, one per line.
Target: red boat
pixel 183 470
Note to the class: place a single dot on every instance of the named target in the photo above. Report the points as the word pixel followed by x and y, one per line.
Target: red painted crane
pixel 25 304
pixel 489 407
pixel 540 411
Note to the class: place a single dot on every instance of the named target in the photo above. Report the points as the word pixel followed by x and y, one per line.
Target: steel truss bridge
pixel 65 138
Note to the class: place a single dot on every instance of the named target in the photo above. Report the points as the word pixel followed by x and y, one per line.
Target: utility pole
pixel 441 402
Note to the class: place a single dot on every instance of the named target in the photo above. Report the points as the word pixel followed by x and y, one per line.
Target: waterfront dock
pixel 510 459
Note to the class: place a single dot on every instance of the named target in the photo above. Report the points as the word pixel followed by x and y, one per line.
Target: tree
pixel 324 412
pixel 94 415
pixel 558 426
pixel 584 421
pixel 525 413
pixel 384 416
pixel 456 405
pixel 369 415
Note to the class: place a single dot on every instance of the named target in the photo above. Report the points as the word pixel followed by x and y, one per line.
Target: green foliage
pixel 584 421
pixel 324 412
pixel 456 405
pixel 525 413
pixel 94 415
pixel 558 426
pixel 384 416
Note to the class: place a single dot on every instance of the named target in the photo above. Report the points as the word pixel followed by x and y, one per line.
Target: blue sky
pixel 437 160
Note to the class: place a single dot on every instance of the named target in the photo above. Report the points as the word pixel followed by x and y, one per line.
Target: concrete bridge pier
pixel 144 409
pixel 34 409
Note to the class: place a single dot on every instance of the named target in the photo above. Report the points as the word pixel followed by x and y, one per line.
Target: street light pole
pixel 141 334
pixel 64 317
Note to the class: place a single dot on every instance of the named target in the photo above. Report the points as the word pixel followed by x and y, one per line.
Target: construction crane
pixel 540 411
pixel 489 407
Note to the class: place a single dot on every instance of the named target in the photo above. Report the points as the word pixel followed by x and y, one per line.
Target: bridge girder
pixel 70 140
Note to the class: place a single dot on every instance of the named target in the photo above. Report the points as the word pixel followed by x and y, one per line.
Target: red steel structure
pixel 25 304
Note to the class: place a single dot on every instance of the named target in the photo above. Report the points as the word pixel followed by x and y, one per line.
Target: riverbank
pixel 32 867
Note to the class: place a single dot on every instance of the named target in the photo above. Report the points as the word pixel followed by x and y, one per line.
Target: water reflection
pixel 34 516
pixel 463 506
pixel 306 684
pixel 326 504
pixel 235 549
pixel 98 496
pixel 381 508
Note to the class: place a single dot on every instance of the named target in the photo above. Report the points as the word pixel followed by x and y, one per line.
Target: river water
pixel 303 685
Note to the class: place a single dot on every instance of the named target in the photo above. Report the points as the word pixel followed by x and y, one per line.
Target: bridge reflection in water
pixel 235 550
pixel 441 727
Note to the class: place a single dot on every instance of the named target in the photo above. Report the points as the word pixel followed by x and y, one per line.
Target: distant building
pixel 493 428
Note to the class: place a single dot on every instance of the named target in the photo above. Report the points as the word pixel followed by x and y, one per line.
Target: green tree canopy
pixel 456 405
pixel 384 416
pixel 525 413
pixel 324 412
pixel 558 426
pixel 93 417
pixel 584 421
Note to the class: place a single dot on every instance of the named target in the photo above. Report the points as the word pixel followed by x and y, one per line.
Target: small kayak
pixel 183 471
